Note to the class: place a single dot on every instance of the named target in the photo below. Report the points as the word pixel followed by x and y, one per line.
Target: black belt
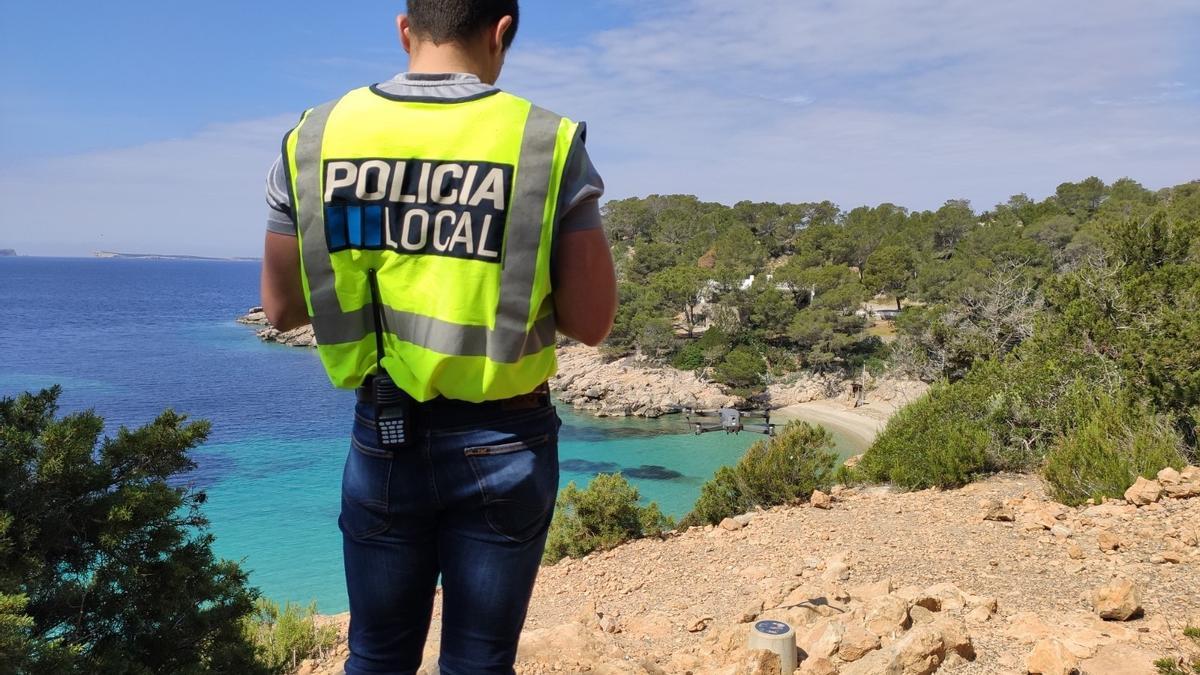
pixel 538 398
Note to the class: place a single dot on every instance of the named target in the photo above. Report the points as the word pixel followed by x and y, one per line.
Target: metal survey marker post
pixel 776 637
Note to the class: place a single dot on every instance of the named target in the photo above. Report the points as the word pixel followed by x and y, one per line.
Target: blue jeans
pixel 470 500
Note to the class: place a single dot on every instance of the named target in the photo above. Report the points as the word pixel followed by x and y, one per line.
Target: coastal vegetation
pixel 106 562
pixel 1059 335
pixel 287 635
pixel 599 517
pixel 1100 385
pixel 782 470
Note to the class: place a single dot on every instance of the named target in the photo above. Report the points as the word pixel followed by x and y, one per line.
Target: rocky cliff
pixel 991 578
pixel 633 387
pixel 301 337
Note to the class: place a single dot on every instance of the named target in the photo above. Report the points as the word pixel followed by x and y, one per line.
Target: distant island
pixel 7 253
pixel 160 256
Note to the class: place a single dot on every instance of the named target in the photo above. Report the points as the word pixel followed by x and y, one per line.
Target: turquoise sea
pixel 132 337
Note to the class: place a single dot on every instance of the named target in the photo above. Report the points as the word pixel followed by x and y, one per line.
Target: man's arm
pixel 585 295
pixel 585 285
pixel 282 291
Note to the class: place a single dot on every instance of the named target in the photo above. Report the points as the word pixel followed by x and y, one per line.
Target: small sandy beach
pixel 861 425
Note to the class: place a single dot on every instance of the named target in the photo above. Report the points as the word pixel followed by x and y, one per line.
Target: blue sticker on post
pixel 772 627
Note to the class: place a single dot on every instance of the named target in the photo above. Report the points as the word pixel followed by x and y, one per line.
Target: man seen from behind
pixel 439 233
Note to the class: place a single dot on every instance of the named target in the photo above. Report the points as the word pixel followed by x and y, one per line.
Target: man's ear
pixel 404 27
pixel 501 29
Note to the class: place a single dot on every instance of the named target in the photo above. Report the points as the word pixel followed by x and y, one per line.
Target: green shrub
pixel 784 469
pixel 1172 666
pixel 849 476
pixel 1119 441
pixel 285 637
pixel 933 442
pixel 106 562
pixel 600 517
pixel 742 368
pixel 691 357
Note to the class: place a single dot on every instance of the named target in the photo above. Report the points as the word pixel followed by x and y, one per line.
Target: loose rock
pixel 1118 601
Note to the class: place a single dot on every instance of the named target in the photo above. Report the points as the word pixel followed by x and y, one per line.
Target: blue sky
pixel 142 126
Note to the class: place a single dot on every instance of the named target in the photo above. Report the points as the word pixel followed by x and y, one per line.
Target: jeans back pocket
pixel 519 483
pixel 366 481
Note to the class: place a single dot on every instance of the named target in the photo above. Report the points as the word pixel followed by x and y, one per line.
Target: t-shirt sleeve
pixel 582 188
pixel 279 201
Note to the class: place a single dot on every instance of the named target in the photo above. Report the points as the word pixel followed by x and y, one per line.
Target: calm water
pixel 130 338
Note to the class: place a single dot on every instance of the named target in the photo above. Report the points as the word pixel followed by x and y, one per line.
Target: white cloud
pixel 200 195
pixel 870 100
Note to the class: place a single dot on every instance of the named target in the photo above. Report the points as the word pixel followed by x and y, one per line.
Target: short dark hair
pixel 460 20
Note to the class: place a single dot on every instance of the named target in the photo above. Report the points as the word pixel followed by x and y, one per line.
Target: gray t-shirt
pixel 582 187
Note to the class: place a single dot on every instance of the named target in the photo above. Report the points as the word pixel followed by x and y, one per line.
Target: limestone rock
pixel 920 615
pixel 919 652
pixel 610 625
pixel 1051 657
pixel 857 643
pixel 649 626
pixel 868 592
pixel 941 597
pixel 1144 492
pixel 1108 541
pixel 1121 659
pixel 994 510
pixel 730 525
pixel 1117 601
pixel 836 570
pixel 1181 485
pixel 1169 476
pixel 760 662
pixel 751 612
pixel 979 615
pixel 887 615
pixel 817 667
pixel 1029 628
pixel 551 644
pixel 821 500
pixel 822 640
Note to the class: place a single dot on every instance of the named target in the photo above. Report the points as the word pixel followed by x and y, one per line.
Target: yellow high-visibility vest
pixel 451 206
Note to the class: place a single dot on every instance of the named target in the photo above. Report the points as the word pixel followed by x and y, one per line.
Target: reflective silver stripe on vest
pixel 510 341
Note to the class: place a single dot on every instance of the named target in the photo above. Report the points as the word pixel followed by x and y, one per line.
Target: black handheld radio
pixel 392 404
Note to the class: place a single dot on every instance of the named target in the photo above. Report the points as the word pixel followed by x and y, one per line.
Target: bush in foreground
pixel 600 517
pixel 1119 441
pixel 105 567
pixel 932 442
pixel 784 469
pixel 286 636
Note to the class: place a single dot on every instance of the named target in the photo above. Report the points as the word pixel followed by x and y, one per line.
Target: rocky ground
pixel 992 578
pixel 301 337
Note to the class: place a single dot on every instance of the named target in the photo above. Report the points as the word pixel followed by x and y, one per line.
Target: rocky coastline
pixel 634 387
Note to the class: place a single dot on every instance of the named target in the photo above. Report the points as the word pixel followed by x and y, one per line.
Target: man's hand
pixel 585 290
pixel 282 290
